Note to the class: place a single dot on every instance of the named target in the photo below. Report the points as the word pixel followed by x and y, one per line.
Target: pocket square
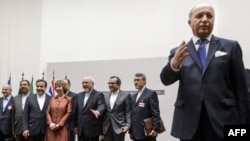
pixel 220 53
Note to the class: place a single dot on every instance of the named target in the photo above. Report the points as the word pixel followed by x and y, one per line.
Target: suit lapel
pixel 133 99
pixel 116 100
pixel 213 46
pixel 18 103
pixel 193 53
pixel 82 101
pixel 9 104
pixel 45 102
pixel 90 97
pixel 36 102
pixel 108 101
pixel 140 99
pixel 1 105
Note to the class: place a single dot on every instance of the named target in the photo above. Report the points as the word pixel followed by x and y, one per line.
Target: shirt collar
pixel 141 90
pixel 115 92
pixel 7 98
pixel 42 95
pixel 195 38
pixel 67 92
pixel 89 92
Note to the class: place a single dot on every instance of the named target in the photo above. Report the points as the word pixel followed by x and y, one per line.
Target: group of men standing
pixel 113 114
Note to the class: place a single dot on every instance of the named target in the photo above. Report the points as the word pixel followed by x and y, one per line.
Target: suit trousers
pixel 20 137
pixel 4 137
pixel 82 138
pixel 147 139
pixel 205 132
pixel 39 137
pixel 112 136
pixel 71 135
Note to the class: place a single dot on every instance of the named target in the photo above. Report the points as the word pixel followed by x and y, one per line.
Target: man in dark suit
pixel 248 87
pixel 19 102
pixel 34 116
pixel 210 95
pixel 74 104
pixel 90 108
pixel 117 117
pixel 145 105
pixel 6 105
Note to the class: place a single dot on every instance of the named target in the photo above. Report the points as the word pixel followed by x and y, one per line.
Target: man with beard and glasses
pixel 117 116
pixel 89 110
pixel 34 116
pixel 19 102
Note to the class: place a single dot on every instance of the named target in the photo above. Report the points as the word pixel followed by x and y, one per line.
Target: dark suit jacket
pixel 120 115
pixel 6 116
pixel 221 86
pixel 33 118
pixel 74 104
pixel 17 115
pixel 146 106
pixel 86 121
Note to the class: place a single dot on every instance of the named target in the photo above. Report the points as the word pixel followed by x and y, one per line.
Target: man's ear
pixel 189 22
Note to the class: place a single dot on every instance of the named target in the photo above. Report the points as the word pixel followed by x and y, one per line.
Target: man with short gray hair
pixel 89 110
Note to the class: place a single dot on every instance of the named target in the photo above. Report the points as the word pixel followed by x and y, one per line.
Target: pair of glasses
pixel 111 83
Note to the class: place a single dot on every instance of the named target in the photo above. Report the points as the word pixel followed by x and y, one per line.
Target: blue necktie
pixel 202 52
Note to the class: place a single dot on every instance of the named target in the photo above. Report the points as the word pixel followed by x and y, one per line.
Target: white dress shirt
pixel 139 93
pixel 86 97
pixel 24 97
pixel 6 101
pixel 41 100
pixel 113 99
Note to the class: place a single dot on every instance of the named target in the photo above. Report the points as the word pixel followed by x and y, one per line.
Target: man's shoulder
pixel 94 91
pixel 221 39
pixel 32 95
pixel 149 90
pixel 72 94
pixel 124 93
pixel 18 96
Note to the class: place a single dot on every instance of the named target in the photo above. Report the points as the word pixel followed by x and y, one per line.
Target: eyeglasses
pixel 111 83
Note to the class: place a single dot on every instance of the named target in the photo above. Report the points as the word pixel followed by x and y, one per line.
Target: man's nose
pixel 204 18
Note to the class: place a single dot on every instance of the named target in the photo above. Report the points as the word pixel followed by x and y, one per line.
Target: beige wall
pixel 34 33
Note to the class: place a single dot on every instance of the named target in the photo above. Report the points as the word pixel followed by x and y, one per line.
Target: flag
pixel 9 81
pixel 51 88
pixel 31 86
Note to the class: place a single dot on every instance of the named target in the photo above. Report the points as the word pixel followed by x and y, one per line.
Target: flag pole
pixel 31 85
pixel 22 75
pixel 43 75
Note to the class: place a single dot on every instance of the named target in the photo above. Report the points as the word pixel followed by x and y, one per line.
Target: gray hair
pixel 143 76
pixel 90 78
pixel 203 4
